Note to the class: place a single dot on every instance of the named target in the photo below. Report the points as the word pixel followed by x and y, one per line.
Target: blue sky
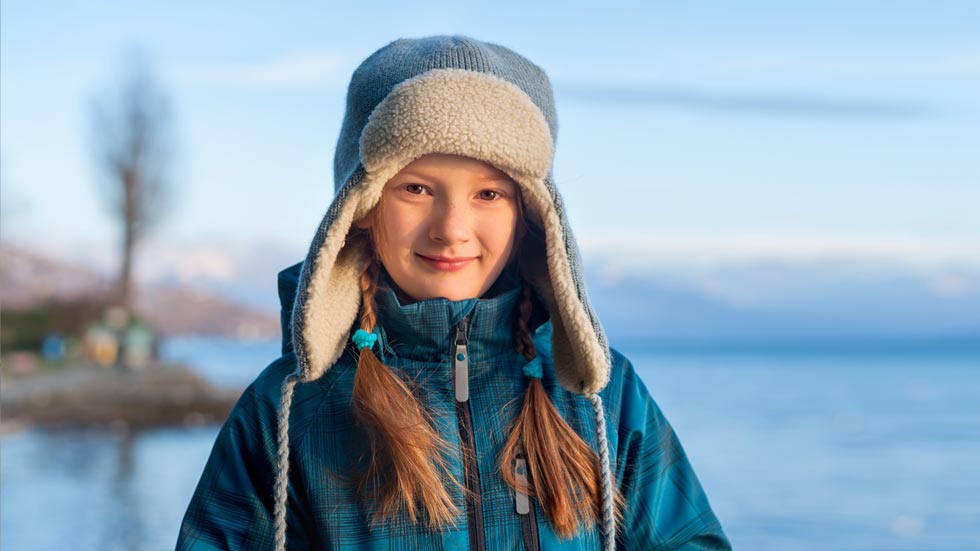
pixel 688 130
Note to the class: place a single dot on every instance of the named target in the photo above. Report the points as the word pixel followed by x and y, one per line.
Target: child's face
pixel 446 226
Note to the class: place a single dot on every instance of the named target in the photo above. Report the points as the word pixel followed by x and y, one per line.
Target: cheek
pixel 401 233
pixel 500 233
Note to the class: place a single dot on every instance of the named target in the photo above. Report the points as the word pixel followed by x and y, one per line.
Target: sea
pixel 867 448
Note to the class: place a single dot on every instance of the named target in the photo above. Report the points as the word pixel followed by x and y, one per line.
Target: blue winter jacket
pixel 232 507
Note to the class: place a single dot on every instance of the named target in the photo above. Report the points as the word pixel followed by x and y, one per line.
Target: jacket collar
pixel 425 330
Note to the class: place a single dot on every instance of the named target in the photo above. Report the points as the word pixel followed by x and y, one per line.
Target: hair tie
pixel 363 339
pixel 533 368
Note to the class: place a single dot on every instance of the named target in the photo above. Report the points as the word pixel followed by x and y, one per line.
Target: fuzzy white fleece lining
pixel 477 115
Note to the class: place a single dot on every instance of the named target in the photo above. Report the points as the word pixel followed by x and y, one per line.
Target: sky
pixel 688 131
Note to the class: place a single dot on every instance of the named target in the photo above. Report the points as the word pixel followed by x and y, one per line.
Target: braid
pixel 522 333
pixel 369 285
pixel 407 468
pixel 563 470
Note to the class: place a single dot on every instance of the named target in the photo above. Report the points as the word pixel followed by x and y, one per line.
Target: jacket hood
pixel 460 96
pixel 288 282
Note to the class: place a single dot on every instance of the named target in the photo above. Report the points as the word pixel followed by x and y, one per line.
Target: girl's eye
pixel 489 194
pixel 416 189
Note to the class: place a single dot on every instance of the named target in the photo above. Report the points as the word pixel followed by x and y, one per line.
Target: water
pixel 98 491
pixel 223 361
pixel 802 452
pixel 795 451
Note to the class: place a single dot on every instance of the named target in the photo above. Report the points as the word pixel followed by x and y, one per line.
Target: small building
pixel 53 347
pixel 100 344
pixel 105 340
pixel 139 346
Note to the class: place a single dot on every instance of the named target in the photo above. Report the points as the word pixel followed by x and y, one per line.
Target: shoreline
pixel 85 396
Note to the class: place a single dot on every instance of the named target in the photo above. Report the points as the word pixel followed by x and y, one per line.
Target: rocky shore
pixel 88 396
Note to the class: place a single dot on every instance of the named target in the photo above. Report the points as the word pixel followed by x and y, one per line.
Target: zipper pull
pixel 461 364
pixel 521 500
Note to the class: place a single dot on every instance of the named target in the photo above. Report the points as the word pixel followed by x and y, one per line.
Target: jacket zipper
pixel 524 507
pixel 461 386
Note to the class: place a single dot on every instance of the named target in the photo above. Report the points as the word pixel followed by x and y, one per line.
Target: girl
pixel 445 382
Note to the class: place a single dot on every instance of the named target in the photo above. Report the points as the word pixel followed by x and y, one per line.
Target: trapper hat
pixel 460 96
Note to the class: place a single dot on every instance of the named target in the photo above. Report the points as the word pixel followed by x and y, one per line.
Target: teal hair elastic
pixel 363 339
pixel 533 368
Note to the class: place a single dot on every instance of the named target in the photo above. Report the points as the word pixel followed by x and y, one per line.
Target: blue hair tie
pixel 363 339
pixel 533 368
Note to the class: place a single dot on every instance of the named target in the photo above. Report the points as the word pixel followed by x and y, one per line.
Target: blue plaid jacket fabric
pixel 232 506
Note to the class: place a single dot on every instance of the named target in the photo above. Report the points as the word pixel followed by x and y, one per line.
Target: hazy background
pixel 777 204
pixel 753 156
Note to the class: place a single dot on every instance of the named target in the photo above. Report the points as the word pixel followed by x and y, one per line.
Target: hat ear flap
pixel 329 295
pixel 550 262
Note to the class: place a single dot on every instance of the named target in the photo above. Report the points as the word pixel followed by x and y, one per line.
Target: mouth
pixel 447 264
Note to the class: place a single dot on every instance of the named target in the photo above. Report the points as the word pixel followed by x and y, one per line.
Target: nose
pixel 451 223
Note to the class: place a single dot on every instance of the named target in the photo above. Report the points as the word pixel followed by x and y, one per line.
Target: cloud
pixel 757 103
pixel 712 74
pixel 848 62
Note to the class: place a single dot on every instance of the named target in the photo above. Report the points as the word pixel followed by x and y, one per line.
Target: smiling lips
pixel 447 264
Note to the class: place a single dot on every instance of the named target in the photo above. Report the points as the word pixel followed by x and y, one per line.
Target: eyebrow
pixel 495 179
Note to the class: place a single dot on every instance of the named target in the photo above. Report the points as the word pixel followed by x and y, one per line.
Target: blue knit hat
pixel 453 95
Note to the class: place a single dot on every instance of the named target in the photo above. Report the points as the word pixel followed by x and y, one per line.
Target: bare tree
pixel 132 136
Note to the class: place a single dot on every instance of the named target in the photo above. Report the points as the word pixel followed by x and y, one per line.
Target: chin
pixel 455 296
pixel 452 294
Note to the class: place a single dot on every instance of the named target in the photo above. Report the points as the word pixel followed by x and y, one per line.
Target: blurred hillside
pixel 28 279
pixel 788 303
pixel 753 300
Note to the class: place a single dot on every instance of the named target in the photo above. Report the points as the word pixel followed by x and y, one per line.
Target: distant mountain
pixel 789 301
pixel 28 278
pixel 849 297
